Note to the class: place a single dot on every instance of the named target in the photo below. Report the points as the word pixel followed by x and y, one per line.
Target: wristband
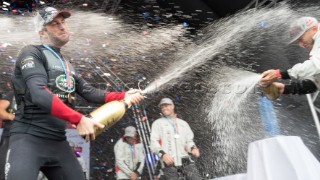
pixel 161 153
pixel 278 74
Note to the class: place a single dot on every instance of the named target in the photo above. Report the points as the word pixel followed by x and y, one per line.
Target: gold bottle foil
pixel 271 92
pixel 108 114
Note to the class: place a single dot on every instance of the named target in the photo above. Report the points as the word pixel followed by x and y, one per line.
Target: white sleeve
pixel 189 135
pixel 142 157
pixel 120 158
pixel 308 68
pixel 155 138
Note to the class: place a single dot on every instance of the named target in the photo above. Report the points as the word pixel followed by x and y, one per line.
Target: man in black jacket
pixel 45 84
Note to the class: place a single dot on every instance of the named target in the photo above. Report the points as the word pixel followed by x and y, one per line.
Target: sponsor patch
pixel 27 63
pixel 61 83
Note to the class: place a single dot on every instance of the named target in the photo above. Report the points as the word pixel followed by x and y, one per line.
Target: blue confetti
pixel 178 99
pixel 146 15
pixel 263 24
pixel 185 24
pixel 157 18
pixel 119 88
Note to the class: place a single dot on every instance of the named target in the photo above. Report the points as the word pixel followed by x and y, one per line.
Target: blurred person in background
pixel 130 157
pixel 172 141
pixel 303 31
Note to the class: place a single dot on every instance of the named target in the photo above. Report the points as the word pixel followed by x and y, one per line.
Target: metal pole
pixel 142 138
pixel 314 113
pixel 148 132
pixel 147 120
pixel 144 135
pixel 256 6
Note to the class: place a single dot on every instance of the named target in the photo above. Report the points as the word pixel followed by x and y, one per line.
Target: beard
pixel 58 41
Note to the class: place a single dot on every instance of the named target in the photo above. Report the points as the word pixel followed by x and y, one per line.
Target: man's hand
pixel 11 117
pixel 280 87
pixel 268 77
pixel 195 152
pixel 133 176
pixel 86 128
pixel 133 96
pixel 4 105
pixel 168 159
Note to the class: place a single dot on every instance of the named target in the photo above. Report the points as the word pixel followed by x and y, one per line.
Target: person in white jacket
pixel 129 155
pixel 305 32
pixel 172 140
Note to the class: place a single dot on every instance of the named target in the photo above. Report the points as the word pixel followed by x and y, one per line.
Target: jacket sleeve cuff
pixel 137 172
pixel 112 96
pixel 302 87
pixel 161 153
pixel 64 112
pixel 284 74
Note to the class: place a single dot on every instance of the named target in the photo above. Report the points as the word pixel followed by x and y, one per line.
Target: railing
pixel 257 4
pixel 314 109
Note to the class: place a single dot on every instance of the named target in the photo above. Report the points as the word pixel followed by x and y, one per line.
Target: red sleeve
pixel 62 111
pixel 111 96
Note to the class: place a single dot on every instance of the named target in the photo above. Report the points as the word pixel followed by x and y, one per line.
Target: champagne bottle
pixel 271 92
pixel 109 114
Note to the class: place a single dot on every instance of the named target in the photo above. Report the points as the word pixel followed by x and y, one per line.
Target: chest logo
pixel 61 83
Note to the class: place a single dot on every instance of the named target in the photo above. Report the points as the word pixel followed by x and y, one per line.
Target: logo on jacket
pixel 61 83
pixel 27 63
